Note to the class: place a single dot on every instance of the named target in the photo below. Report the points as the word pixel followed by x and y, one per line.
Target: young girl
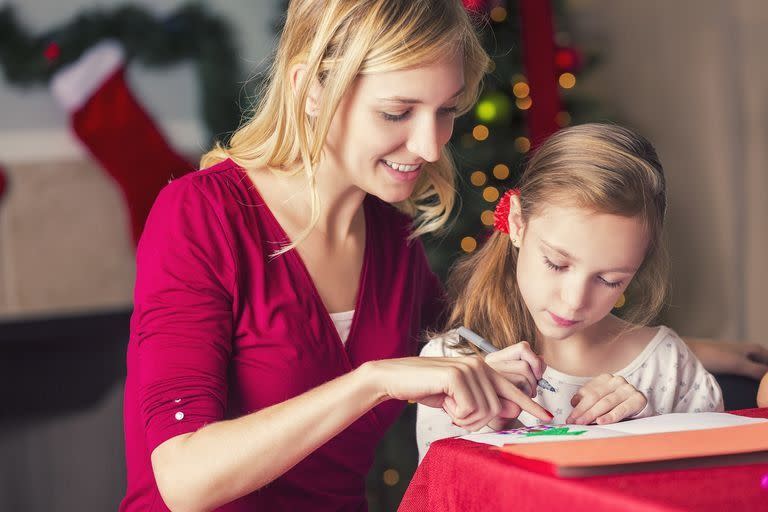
pixel 583 232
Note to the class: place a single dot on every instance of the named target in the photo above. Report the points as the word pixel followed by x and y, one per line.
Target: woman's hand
pixel 605 399
pixel 520 365
pixel 735 358
pixel 469 390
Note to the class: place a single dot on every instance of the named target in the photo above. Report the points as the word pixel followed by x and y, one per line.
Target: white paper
pixel 679 421
pixel 674 422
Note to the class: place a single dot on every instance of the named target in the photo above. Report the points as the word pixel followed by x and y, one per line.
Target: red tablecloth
pixel 458 475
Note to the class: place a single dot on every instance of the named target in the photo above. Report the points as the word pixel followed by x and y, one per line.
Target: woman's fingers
pixel 488 400
pixel 471 400
pixel 469 390
pixel 508 391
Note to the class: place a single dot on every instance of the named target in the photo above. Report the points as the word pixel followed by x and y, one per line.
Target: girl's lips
pixel 562 322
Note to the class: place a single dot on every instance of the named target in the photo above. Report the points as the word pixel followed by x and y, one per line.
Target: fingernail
pixel 550 414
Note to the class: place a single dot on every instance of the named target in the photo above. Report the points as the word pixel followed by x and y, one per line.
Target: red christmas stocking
pixel 116 130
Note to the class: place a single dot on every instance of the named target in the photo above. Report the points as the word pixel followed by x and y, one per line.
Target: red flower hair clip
pixel 501 213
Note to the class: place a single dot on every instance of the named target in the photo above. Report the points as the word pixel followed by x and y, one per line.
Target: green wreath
pixel 188 33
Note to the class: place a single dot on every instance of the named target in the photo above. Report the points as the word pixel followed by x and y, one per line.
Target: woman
pixel 279 292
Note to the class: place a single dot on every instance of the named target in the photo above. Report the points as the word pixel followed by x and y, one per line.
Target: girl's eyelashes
pixel 611 284
pixel 446 111
pixel 552 266
pixel 560 268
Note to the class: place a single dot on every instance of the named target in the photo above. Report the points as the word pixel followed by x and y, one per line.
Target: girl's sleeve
pixel 697 389
pixel 433 423
pixel 182 323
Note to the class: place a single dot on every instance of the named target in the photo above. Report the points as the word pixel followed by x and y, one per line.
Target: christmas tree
pixel 528 94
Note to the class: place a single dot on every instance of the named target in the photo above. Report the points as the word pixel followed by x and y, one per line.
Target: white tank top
pixel 343 322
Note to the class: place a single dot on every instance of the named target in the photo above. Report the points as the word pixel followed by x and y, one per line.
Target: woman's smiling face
pixel 390 124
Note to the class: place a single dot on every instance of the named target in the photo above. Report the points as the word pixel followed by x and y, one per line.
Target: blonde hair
pixel 600 167
pixel 339 40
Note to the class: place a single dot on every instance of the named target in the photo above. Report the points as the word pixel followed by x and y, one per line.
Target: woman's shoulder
pixel 201 205
pixel 212 182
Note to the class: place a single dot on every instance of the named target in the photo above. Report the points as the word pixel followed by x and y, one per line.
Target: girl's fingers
pixel 518 352
pixel 520 374
pixel 586 397
pixel 605 399
pixel 601 407
pixel 516 371
pixel 627 408
pixel 534 361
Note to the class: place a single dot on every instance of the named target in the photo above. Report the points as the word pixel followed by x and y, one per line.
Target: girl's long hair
pixel 599 167
pixel 337 41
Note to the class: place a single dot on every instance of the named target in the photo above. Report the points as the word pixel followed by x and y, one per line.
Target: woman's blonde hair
pixel 600 167
pixel 338 40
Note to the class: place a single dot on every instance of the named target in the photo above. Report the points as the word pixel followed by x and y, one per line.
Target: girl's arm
pixel 762 393
pixel 692 388
pixel 433 424
pixel 731 357
pixel 225 460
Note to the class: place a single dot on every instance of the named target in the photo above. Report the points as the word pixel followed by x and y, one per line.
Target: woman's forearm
pixel 229 459
pixel 737 358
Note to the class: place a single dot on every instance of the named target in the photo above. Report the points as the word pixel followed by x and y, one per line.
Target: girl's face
pixel 390 124
pixel 574 264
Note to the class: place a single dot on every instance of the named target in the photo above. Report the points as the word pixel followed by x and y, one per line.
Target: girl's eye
pixel 552 266
pixel 611 284
pixel 395 117
pixel 449 111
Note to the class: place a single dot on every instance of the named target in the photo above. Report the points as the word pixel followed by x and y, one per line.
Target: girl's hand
pixel 519 365
pixel 469 390
pixel 605 399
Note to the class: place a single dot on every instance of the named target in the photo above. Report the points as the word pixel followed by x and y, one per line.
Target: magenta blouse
pixel 220 330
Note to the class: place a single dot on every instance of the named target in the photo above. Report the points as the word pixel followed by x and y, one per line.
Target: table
pixel 459 475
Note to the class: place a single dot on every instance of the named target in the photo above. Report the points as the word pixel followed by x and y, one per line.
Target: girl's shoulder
pixel 659 343
pixel 442 346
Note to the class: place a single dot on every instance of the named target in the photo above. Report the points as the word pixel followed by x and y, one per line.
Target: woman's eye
pixel 395 117
pixel 449 111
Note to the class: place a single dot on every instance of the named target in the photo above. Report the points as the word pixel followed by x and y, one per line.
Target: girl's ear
pixel 298 75
pixel 515 220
